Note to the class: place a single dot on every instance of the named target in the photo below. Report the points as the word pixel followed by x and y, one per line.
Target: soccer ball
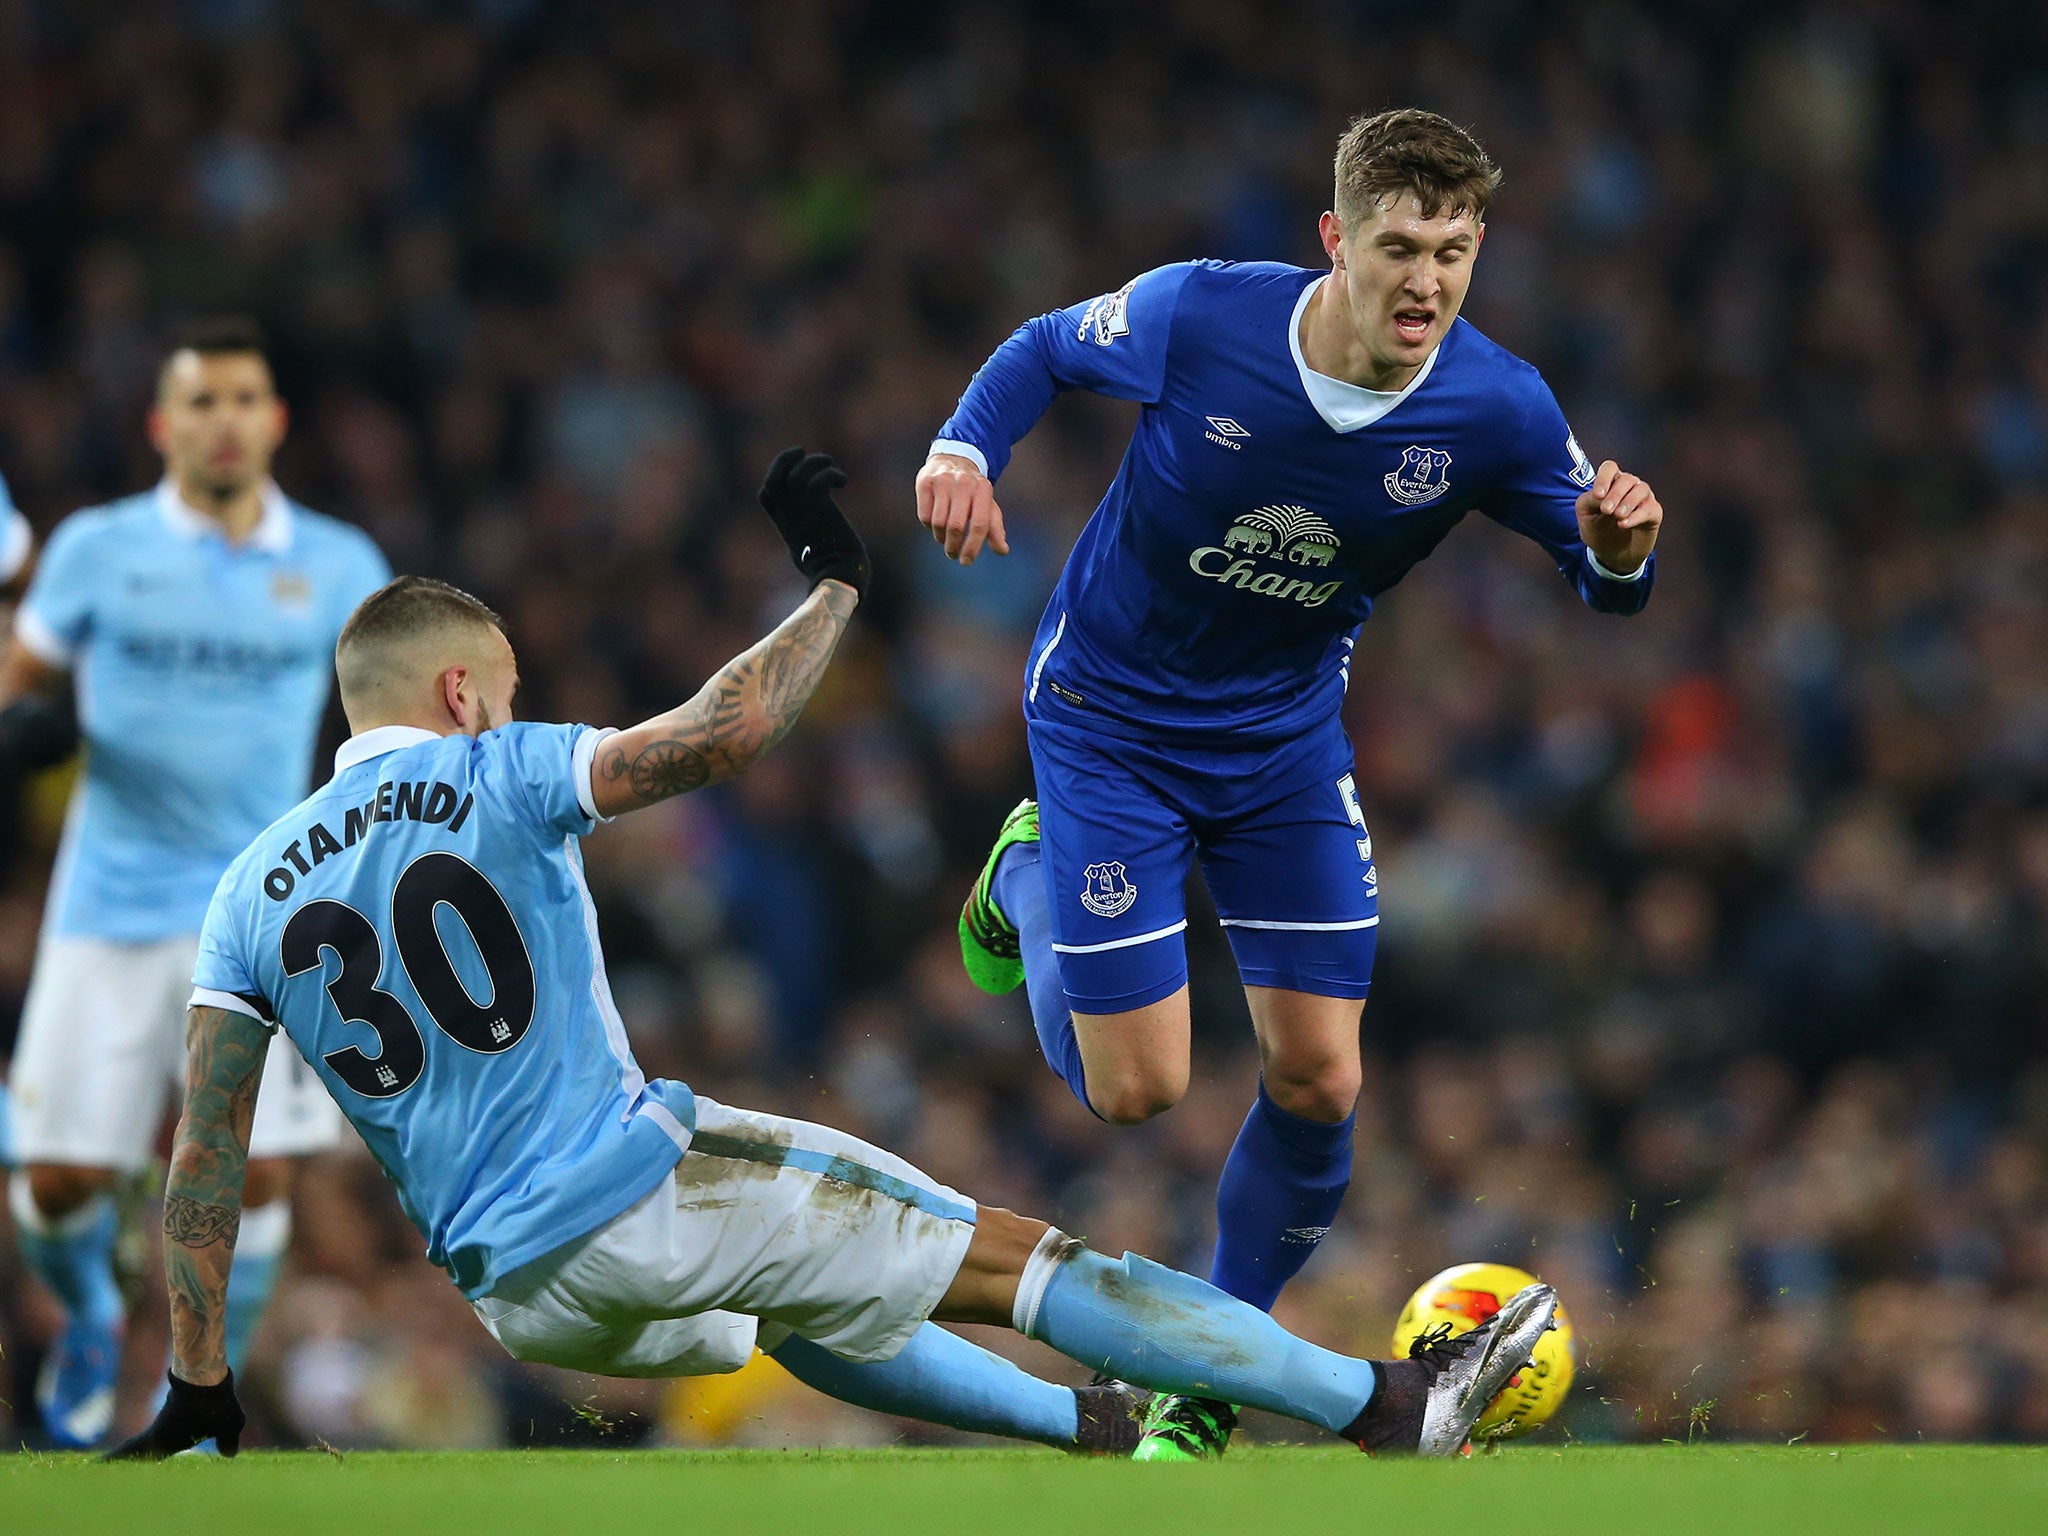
pixel 1466 1295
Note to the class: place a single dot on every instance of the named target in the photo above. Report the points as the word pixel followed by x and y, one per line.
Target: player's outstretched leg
pixel 73 1255
pixel 1281 1187
pixel 943 1379
pixel 1006 938
pixel 1143 1323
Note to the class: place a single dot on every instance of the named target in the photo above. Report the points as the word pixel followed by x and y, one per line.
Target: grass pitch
pixel 1533 1490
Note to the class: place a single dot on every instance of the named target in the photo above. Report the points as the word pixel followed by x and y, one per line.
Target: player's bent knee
pixel 1326 1093
pixel 59 1189
pixel 985 1289
pixel 1133 1101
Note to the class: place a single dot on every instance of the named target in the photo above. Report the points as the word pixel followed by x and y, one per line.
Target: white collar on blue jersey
pixel 1346 407
pixel 272 533
pixel 376 741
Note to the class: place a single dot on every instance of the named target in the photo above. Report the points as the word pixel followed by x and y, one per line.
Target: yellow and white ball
pixel 1466 1295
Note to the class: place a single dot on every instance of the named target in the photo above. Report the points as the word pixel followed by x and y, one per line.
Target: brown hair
pixel 1412 151
pixel 218 336
pixel 398 613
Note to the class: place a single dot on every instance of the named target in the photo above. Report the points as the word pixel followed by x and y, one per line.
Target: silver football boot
pixel 1427 1404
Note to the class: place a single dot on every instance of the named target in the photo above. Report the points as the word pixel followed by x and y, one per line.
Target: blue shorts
pixel 1283 845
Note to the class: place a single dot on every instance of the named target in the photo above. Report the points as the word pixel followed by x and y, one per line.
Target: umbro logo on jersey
pixel 1224 433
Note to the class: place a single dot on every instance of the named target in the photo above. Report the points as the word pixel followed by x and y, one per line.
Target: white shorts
pixel 767 1226
pixel 101 1058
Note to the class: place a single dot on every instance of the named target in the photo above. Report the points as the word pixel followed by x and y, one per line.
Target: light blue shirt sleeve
pixel 1113 345
pixel 55 618
pixel 542 773
pixel 222 976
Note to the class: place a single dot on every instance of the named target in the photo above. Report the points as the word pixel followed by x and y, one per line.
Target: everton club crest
pixel 1420 478
pixel 1109 893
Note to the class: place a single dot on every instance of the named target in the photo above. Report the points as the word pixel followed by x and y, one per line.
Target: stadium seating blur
pixel 1713 968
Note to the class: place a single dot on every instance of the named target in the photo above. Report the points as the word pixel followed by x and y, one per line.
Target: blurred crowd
pixel 1714 946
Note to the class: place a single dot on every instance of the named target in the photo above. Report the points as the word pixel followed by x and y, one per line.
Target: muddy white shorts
pixel 767 1226
pixel 101 1060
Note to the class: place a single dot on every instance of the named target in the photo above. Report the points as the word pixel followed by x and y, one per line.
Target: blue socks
pixel 259 1257
pixel 1019 890
pixel 1281 1186
pixel 943 1379
pixel 1155 1327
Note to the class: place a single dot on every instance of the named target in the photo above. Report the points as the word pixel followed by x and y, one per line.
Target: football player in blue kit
pixel 1306 437
pixel 421 932
pixel 185 635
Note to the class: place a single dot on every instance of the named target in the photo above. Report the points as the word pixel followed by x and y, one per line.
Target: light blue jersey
pixel 421 929
pixel 203 669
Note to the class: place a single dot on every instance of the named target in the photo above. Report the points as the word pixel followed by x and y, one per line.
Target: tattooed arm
pixel 203 1203
pixel 742 712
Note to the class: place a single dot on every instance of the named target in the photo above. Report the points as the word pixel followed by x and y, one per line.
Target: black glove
pixel 797 496
pixel 37 731
pixel 189 1415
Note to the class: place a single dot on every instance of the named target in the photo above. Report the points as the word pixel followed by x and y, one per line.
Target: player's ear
pixel 455 696
pixel 158 438
pixel 1331 228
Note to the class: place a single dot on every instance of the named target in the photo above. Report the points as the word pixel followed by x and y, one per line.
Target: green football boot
pixel 988 940
pixel 1185 1429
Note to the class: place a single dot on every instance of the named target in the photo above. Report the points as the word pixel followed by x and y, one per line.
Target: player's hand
pixel 1618 519
pixel 189 1415
pixel 956 501
pixel 797 496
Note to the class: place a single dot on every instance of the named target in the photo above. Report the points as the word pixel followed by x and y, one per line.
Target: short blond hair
pixel 1410 151
pixel 392 620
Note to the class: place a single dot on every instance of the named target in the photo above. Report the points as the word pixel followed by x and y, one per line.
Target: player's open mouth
pixel 1413 324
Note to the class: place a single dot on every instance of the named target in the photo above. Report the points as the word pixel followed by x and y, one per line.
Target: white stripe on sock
pixel 1038 1273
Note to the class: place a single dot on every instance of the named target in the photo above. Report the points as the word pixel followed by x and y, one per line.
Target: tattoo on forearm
pixel 198 1225
pixel 224 1055
pixel 740 713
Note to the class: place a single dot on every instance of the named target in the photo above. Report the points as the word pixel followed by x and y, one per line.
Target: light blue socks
pixel 1156 1327
pixel 940 1377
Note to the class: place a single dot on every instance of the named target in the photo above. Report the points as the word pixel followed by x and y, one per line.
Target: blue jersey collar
pixel 377 741
pixel 1346 407
pixel 272 533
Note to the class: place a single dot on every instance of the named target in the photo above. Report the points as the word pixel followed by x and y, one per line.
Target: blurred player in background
pixel 16 538
pixel 1307 436
pixel 421 931
pixel 185 638
pixel 17 543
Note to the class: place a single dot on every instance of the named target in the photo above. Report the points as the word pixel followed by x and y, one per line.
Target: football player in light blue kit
pixel 1306 437
pixel 195 625
pixel 421 930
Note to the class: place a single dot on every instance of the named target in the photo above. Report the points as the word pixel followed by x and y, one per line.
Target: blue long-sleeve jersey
pixel 1261 507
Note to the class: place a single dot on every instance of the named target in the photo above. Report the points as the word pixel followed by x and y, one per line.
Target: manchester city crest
pixel 1108 893
pixel 1421 476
